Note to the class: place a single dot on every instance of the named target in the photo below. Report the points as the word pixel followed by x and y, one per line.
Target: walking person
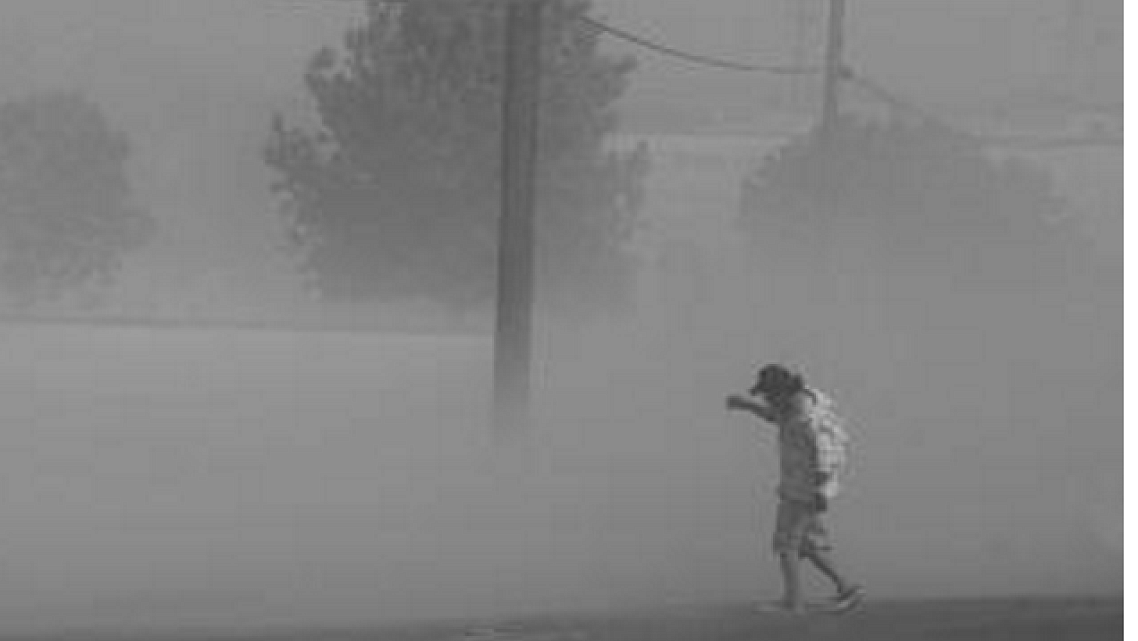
pixel 812 453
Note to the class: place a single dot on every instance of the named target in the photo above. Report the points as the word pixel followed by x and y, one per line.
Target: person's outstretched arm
pixel 742 403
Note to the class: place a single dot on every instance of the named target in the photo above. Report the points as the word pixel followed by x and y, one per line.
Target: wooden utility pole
pixel 514 324
pixel 834 70
pixel 825 269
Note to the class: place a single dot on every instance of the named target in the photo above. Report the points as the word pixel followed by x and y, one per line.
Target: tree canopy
pixel 66 217
pixel 395 193
pixel 937 237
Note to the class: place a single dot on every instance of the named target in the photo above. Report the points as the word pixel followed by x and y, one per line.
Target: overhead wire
pixel 695 58
pixel 876 89
pixel 1021 141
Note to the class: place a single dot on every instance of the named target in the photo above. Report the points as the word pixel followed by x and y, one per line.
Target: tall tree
pixel 396 192
pixel 948 244
pixel 66 217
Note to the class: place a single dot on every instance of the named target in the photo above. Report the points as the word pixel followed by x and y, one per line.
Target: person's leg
pixel 817 548
pixel 824 561
pixel 788 541
pixel 791 580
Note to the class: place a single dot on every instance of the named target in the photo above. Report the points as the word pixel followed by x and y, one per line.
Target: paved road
pixel 1002 620
pixel 993 621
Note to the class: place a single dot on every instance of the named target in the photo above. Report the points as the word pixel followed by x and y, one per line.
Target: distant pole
pixel 514 324
pixel 834 66
pixel 825 269
pixel 802 90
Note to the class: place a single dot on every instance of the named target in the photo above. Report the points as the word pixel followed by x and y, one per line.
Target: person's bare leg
pixel 824 561
pixel 791 581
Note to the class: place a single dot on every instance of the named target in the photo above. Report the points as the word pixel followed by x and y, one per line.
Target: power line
pixel 1019 141
pixel 901 104
pixel 698 59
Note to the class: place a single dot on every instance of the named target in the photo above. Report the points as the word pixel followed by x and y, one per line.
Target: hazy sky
pixel 194 84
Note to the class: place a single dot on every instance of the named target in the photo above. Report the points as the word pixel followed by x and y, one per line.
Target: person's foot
pixel 849 597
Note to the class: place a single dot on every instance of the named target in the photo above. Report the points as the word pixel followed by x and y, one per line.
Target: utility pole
pixel 514 324
pixel 826 269
pixel 834 70
pixel 802 87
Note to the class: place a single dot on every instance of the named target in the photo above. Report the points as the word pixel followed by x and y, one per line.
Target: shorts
pixel 800 529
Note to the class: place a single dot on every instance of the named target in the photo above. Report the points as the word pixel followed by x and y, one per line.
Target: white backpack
pixel 832 442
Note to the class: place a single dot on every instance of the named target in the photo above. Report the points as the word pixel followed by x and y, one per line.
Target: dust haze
pixel 214 477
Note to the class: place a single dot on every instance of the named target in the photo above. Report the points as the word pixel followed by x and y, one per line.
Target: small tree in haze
pixel 66 219
pixel 895 176
pixel 395 194
pixel 917 196
pixel 922 227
